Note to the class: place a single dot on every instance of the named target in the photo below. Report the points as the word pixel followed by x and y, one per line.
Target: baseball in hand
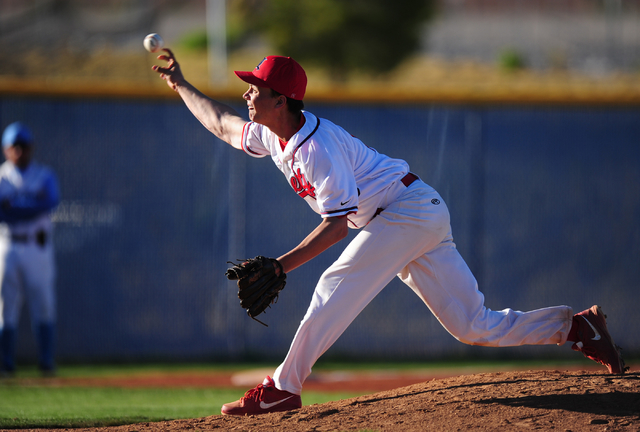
pixel 153 42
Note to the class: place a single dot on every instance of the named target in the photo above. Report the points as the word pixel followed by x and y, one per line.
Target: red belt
pixel 406 181
pixel 409 178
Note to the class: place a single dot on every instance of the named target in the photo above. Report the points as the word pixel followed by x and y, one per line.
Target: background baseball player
pixel 28 194
pixel 405 231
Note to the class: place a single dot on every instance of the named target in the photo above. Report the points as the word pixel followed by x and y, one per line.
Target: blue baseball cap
pixel 16 133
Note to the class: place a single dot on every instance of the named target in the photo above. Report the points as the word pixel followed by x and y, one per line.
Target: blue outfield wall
pixel 545 205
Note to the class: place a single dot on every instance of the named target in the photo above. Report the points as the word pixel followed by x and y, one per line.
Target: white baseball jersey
pixel 331 169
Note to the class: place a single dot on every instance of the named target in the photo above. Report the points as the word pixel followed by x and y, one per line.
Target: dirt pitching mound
pixel 545 400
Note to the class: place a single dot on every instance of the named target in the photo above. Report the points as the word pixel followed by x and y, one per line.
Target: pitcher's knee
pixel 488 328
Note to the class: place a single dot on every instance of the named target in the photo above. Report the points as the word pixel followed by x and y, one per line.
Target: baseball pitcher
pixel 404 231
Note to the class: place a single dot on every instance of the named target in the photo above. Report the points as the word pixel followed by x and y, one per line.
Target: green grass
pixel 29 401
pixel 31 407
pixel 71 407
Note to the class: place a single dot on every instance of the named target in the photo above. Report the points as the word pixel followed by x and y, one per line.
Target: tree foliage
pixel 339 35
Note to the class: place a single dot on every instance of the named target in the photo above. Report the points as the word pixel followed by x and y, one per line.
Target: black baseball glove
pixel 260 280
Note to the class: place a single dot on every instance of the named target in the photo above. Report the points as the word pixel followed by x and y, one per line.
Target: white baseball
pixel 153 42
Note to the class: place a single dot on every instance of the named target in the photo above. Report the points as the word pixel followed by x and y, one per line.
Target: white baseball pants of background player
pixel 27 272
pixel 412 239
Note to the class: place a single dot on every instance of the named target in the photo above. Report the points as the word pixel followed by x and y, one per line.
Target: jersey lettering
pixel 302 187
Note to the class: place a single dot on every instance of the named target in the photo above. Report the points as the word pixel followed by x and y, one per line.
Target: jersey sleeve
pixel 253 140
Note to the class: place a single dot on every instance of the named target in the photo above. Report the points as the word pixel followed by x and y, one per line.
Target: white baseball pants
pixel 412 239
pixel 27 270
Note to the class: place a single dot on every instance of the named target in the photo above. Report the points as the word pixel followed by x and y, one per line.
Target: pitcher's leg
pixel 366 266
pixel 444 282
pixel 406 229
pixel 342 293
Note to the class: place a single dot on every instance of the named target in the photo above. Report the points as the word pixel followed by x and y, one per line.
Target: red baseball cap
pixel 282 74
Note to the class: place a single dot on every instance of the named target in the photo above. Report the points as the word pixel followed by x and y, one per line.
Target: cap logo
pixel 260 64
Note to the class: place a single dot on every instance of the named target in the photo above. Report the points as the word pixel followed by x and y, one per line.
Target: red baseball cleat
pixel 595 341
pixel 263 399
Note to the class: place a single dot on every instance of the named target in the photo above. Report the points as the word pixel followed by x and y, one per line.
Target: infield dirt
pixel 520 400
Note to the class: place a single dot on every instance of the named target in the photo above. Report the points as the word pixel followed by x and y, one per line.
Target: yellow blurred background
pixel 563 51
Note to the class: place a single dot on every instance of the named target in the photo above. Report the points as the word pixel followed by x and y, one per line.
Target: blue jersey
pixel 27 198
